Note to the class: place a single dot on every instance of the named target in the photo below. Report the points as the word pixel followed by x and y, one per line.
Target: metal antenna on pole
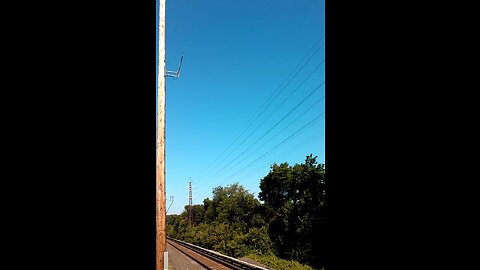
pixel 171 202
pixel 175 74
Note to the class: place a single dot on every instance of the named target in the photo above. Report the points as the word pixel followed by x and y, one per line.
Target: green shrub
pixel 258 240
pixel 277 263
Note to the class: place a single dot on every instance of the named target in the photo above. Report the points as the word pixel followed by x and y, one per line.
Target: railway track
pixel 211 259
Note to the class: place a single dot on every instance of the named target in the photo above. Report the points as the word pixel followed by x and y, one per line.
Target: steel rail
pixel 233 263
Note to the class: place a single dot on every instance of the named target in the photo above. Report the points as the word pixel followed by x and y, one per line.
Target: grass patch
pixel 277 263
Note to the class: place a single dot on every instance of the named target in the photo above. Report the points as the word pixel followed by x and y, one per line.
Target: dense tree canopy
pixel 232 222
pixel 295 199
pixel 288 224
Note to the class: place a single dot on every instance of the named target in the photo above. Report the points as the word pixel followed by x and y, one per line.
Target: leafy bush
pixel 259 241
pixel 277 263
pixel 287 227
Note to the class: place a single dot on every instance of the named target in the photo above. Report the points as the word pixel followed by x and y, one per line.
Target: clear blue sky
pixel 237 54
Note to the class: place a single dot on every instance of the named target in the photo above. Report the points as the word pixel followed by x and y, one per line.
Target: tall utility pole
pixel 190 204
pixel 160 177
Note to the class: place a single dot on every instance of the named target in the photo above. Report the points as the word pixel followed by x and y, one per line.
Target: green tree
pixel 233 205
pixel 295 199
pixel 232 222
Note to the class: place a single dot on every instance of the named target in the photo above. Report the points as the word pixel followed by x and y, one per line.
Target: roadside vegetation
pixel 282 230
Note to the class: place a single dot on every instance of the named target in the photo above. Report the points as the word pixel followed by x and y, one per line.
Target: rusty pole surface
pixel 160 163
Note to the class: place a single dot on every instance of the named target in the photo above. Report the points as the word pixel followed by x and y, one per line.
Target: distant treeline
pixel 286 222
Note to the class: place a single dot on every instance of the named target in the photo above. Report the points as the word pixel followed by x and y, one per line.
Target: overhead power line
pixel 275 125
pixel 268 117
pixel 309 124
pixel 262 109
pixel 294 149
pixel 284 128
